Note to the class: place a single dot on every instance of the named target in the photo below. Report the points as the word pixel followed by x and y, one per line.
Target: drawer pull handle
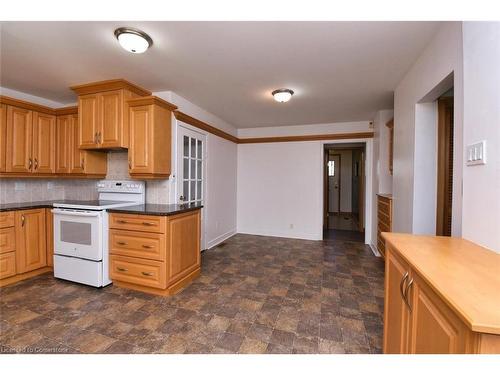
pixel 147 223
pixel 122 243
pixel 122 221
pixel 147 246
pixel 401 286
pixel 121 269
pixel 147 273
pixel 408 286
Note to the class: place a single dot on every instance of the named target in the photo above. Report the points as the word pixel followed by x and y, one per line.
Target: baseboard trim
pixel 296 236
pixel 217 240
pixel 374 250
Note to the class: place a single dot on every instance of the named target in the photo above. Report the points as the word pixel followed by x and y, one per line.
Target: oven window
pixel 79 233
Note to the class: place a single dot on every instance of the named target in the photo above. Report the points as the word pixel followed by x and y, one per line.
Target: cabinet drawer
pixel 382 227
pixel 142 223
pixel 137 244
pixel 7 240
pixel 6 219
pixel 138 271
pixel 7 265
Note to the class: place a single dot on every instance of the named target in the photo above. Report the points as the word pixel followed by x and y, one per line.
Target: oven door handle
pixel 75 213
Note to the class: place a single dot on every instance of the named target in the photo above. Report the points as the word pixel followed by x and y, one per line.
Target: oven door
pixel 78 233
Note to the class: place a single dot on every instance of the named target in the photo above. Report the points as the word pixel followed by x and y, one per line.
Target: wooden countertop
pixel 465 275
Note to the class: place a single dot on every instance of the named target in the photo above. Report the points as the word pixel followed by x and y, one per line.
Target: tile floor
pixel 255 295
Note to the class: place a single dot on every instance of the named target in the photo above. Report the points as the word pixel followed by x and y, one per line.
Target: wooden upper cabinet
pixel 150 137
pixel 396 313
pixel 103 112
pixel 76 155
pixel 63 139
pixel 3 136
pixel 88 121
pixel 111 125
pixel 30 240
pixel 19 140
pixel 44 147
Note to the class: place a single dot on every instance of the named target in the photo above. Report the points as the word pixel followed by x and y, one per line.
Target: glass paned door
pixel 192 169
pixel 191 179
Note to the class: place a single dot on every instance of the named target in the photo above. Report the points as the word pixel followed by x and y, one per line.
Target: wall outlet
pixel 20 186
pixel 476 153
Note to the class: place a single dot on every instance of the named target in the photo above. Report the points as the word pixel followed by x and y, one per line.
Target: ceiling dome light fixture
pixel 133 40
pixel 282 95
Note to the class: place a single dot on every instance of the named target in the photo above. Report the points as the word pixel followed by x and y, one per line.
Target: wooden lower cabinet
pixel 23 245
pixel 396 312
pixel 154 254
pixel 31 240
pixel 419 321
pixel 384 219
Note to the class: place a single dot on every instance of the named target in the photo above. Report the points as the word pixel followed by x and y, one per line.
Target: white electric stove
pixel 81 252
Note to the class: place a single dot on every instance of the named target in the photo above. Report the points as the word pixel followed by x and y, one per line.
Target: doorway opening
pixel 445 143
pixel 344 192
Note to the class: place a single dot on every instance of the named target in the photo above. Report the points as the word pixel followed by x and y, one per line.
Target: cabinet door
pixel 3 136
pixel 63 144
pixel 139 152
pixel 110 116
pixel 19 140
pixel 396 314
pixel 30 240
pixel 44 138
pixel 435 328
pixel 184 250
pixel 76 156
pixel 88 121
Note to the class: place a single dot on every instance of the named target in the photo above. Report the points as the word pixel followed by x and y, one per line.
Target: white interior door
pixel 334 183
pixel 191 165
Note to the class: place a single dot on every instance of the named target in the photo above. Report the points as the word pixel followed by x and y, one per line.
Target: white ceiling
pixel 340 71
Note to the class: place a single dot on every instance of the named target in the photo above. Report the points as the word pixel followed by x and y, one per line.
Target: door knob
pixel 182 198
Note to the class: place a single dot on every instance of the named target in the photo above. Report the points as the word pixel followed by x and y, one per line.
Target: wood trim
pixel 148 100
pixel 24 276
pixel 73 110
pixel 181 116
pixel 26 105
pixel 109 85
pixel 170 290
pixel 302 138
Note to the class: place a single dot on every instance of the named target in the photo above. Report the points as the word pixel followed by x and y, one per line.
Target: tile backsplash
pixel 29 190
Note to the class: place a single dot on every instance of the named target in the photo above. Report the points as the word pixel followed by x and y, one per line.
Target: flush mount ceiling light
pixel 282 95
pixel 133 40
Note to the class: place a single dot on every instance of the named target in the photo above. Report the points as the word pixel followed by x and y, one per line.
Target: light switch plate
pixel 476 153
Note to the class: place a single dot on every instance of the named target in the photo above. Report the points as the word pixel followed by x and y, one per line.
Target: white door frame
pixel 174 195
pixel 369 193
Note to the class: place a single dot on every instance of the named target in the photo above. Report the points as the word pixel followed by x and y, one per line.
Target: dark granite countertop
pixel 157 209
pixel 25 205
